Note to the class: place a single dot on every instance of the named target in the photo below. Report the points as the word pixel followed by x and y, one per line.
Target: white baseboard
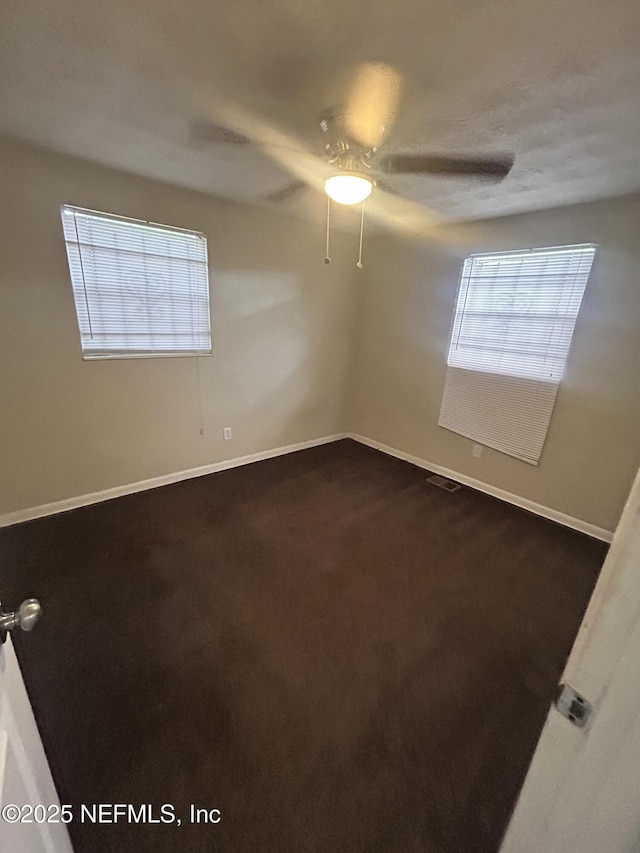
pixel 494 491
pixel 153 483
pixel 166 479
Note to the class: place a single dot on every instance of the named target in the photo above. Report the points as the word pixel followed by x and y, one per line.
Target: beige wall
pixel 301 350
pixel 593 446
pixel 280 322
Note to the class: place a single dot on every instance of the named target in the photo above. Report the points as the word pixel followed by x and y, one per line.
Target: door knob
pixel 26 616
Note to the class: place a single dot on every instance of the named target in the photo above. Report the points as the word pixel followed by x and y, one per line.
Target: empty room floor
pixel 336 654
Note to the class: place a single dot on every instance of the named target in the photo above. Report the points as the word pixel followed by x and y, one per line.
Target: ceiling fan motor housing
pixel 341 149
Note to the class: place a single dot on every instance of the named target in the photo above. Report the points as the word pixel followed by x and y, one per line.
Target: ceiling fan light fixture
pixel 348 188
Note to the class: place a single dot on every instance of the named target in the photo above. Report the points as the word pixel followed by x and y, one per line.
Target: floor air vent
pixel 443 483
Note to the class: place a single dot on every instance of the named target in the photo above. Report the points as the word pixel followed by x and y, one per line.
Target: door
pixel 581 791
pixel 25 778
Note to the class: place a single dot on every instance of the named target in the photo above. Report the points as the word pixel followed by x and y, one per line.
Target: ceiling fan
pixel 353 144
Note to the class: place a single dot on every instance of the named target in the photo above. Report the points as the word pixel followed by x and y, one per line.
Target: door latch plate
pixel 573 705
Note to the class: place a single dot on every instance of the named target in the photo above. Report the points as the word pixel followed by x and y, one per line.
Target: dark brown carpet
pixel 336 654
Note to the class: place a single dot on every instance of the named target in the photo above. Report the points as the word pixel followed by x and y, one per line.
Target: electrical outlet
pixel 227 433
pixel 476 450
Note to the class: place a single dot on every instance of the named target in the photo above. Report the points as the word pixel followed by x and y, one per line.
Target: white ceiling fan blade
pixel 282 147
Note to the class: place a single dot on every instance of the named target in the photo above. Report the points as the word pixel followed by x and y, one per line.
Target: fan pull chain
pixel 359 264
pixel 327 259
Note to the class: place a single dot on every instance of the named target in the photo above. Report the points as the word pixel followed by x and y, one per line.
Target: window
pixel 140 289
pixel 516 311
pixel 511 334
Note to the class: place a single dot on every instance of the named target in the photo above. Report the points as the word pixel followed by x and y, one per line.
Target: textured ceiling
pixel 124 83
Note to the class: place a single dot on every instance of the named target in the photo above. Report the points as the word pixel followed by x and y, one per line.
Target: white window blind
pixel 512 329
pixel 140 289
pixel 516 311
